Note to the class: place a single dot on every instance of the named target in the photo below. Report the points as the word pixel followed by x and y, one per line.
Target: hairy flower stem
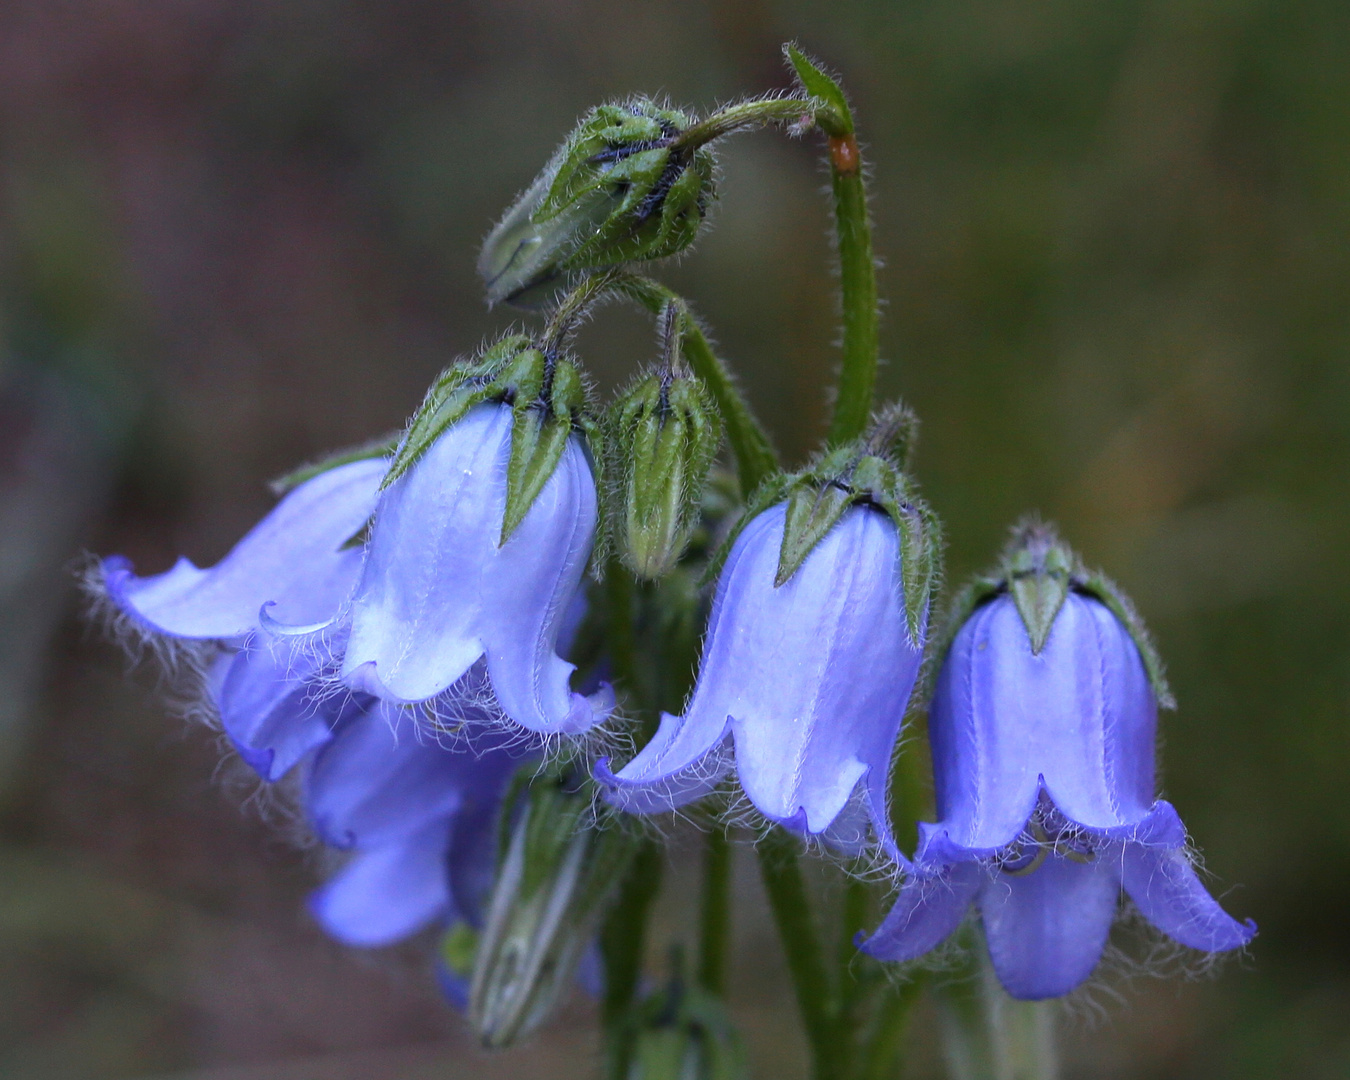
pixel 780 869
pixel 715 912
pixel 858 286
pixel 743 115
pixel 755 458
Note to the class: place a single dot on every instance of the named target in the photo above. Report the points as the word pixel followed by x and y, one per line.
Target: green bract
pixel 547 397
pixel 662 436
pixel 1039 571
pixel 622 188
pixel 867 470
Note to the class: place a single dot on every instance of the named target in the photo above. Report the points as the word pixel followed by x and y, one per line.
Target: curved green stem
pixel 782 876
pixel 858 286
pixel 745 114
pixel 755 458
pixel 715 913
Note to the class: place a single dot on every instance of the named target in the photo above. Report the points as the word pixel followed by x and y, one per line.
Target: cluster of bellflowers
pixel 482 655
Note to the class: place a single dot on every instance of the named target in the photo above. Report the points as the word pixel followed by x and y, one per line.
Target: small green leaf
pixel 836 119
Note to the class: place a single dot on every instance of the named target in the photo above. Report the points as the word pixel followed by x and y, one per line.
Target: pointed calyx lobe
pixel 547 397
pixel 1039 571
pixel 868 471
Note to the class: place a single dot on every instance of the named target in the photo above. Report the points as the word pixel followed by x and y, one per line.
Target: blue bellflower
pixel 440 591
pixel 807 680
pixel 435 595
pixel 1044 768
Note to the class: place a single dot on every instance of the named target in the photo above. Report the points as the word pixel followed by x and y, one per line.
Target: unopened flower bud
pixel 557 874
pixel 622 188
pixel 664 433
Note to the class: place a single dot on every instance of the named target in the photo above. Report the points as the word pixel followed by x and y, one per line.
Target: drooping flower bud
pixel 558 871
pixel 663 434
pixel 622 188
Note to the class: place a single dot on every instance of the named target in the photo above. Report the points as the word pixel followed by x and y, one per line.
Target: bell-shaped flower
pixel 297 560
pixel 419 818
pixel 1043 725
pixel 441 589
pixel 802 687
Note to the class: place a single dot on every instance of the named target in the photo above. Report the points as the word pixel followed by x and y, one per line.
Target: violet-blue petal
pixel 648 785
pixel 1078 719
pixel 1168 893
pixel 927 911
pixel 388 893
pixel 1046 929
pixel 293 558
pixel 438 591
pixel 272 706
pixel 382 777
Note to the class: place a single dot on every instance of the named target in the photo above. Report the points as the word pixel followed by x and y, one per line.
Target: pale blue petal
pixel 533 581
pixel 382 777
pixel 1079 717
pixel 273 707
pixel 294 559
pixel 417 612
pixel 438 591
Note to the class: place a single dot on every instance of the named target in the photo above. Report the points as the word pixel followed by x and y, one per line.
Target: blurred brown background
pixel 236 233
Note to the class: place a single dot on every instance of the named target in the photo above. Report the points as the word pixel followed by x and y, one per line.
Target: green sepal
pixel 834 116
pixel 1038 570
pixel 509 370
pixel 376 448
pixel 661 437
pixel 540 427
pixel 864 472
pixel 1039 581
pixel 811 512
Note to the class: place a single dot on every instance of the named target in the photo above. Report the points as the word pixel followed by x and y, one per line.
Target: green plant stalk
pixel 715 912
pixel 858 289
pixel 755 457
pixel 853 916
pixel 745 114
pixel 779 867
pixel 880 1055
pixel 623 939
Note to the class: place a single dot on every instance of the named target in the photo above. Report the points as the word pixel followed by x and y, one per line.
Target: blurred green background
pixel 234 233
